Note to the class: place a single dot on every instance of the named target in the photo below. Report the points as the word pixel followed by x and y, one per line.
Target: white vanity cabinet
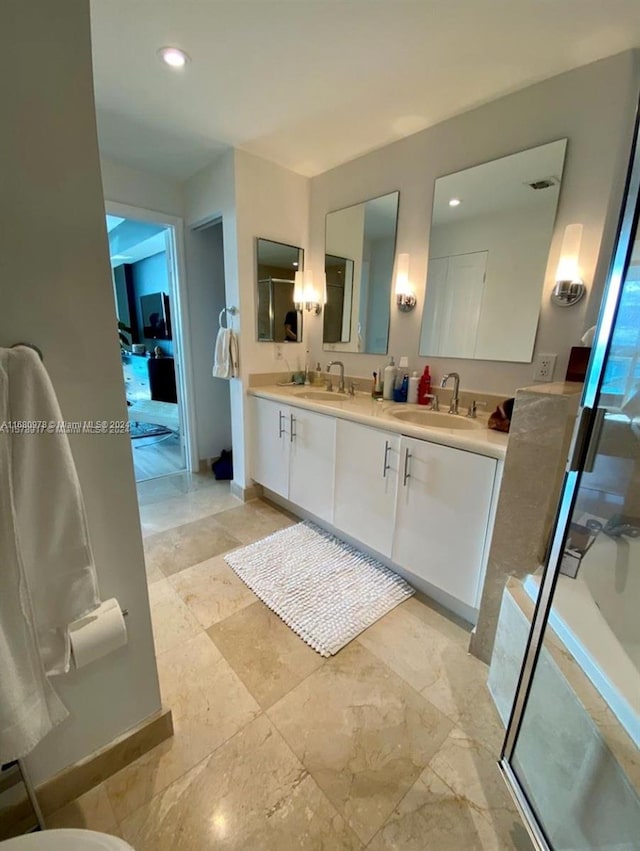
pixel 312 441
pixel 424 506
pixel 442 516
pixel 271 445
pixel 365 486
pixel 294 455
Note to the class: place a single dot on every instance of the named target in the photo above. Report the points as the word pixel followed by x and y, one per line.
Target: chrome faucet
pixel 339 363
pixel 453 405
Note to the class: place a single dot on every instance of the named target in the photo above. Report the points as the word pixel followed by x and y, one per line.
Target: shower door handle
pixel 594 442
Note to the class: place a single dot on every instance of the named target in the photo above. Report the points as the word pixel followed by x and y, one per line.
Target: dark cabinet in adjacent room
pixel 162 379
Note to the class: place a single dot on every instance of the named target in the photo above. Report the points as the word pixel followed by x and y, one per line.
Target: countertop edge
pixel 482 442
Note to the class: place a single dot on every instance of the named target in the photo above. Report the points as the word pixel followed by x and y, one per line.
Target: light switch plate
pixel 543 367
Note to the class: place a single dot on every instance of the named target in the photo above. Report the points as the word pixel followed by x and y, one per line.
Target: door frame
pixel 180 318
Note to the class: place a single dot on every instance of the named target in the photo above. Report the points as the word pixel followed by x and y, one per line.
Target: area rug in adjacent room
pixel 138 430
pixel 327 591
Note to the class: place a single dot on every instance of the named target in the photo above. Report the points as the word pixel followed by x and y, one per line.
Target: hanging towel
pixel 226 359
pixel 47 575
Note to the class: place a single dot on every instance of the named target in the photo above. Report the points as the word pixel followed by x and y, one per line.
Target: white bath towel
pixel 225 361
pixel 47 576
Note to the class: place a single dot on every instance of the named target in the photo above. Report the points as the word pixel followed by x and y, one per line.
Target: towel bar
pixel 29 346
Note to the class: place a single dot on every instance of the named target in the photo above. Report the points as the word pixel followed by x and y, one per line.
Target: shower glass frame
pixel 585 426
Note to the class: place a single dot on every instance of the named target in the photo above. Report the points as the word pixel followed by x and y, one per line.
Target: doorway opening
pixel 144 272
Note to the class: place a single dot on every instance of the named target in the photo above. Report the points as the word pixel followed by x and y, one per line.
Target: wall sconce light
pixel 569 287
pixel 405 297
pixel 306 295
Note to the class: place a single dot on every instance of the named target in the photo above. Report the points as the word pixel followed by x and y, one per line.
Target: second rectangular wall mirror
pixel 360 244
pixel 279 321
pixel 491 230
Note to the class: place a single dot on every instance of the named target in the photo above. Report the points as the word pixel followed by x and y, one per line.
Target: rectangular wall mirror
pixel 360 244
pixel 491 230
pixel 278 319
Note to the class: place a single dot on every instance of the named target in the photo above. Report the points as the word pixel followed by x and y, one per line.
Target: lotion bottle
pixel 412 395
pixel 389 380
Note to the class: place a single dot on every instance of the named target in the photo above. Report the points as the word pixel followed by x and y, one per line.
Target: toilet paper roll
pixel 97 634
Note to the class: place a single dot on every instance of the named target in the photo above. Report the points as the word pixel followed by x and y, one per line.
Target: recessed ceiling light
pixel 455 202
pixel 173 56
pixel 295 262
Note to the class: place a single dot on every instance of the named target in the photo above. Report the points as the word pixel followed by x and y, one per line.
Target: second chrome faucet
pixel 455 396
pixel 341 388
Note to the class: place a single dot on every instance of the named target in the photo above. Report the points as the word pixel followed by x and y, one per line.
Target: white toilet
pixel 65 840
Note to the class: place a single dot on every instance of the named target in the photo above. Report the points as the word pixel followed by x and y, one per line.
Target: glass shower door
pixel 571 755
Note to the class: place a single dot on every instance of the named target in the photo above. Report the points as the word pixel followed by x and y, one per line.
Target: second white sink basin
pixel 435 419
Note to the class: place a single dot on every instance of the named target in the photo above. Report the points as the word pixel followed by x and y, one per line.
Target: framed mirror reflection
pixel 491 230
pixel 278 319
pixel 360 244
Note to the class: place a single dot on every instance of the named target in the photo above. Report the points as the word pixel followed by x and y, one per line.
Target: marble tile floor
pixel 391 744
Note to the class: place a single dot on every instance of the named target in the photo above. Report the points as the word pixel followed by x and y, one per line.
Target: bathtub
pixel 597 617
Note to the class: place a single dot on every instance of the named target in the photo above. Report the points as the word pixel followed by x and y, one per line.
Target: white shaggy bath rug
pixel 325 590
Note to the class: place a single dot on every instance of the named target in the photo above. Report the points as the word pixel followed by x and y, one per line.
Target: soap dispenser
pixel 389 380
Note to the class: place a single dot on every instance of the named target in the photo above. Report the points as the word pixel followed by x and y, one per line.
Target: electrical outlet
pixel 543 367
pixel 278 352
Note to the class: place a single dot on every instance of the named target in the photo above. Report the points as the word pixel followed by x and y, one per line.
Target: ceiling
pixel 131 240
pixel 310 84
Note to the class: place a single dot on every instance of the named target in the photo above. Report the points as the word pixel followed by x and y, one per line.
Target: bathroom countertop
pixel 361 408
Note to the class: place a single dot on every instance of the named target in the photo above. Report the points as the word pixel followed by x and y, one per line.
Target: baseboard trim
pixel 78 778
pixel 82 776
pixel 245 494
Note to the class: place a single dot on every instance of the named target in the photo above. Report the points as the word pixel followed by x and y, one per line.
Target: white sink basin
pixel 321 396
pixel 435 419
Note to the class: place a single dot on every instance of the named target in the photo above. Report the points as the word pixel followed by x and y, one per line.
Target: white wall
pixel 141 189
pixel 254 198
pixel 55 269
pixel 206 295
pixel 593 107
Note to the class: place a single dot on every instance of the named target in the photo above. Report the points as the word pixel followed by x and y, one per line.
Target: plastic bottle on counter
pixel 401 389
pixel 389 380
pixel 378 387
pixel 424 387
pixel 412 394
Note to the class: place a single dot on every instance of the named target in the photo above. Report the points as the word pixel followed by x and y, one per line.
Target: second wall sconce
pixel 306 294
pixel 405 296
pixel 570 287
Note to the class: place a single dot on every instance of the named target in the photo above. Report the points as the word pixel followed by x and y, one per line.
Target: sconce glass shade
pixel 306 294
pixel 569 288
pixel 405 297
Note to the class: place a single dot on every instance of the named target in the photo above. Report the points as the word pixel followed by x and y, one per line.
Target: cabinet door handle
pixel 407 474
pixel 292 431
pixel 385 465
pixel 280 423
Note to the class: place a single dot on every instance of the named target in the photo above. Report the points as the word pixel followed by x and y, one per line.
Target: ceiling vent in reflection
pixel 543 183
